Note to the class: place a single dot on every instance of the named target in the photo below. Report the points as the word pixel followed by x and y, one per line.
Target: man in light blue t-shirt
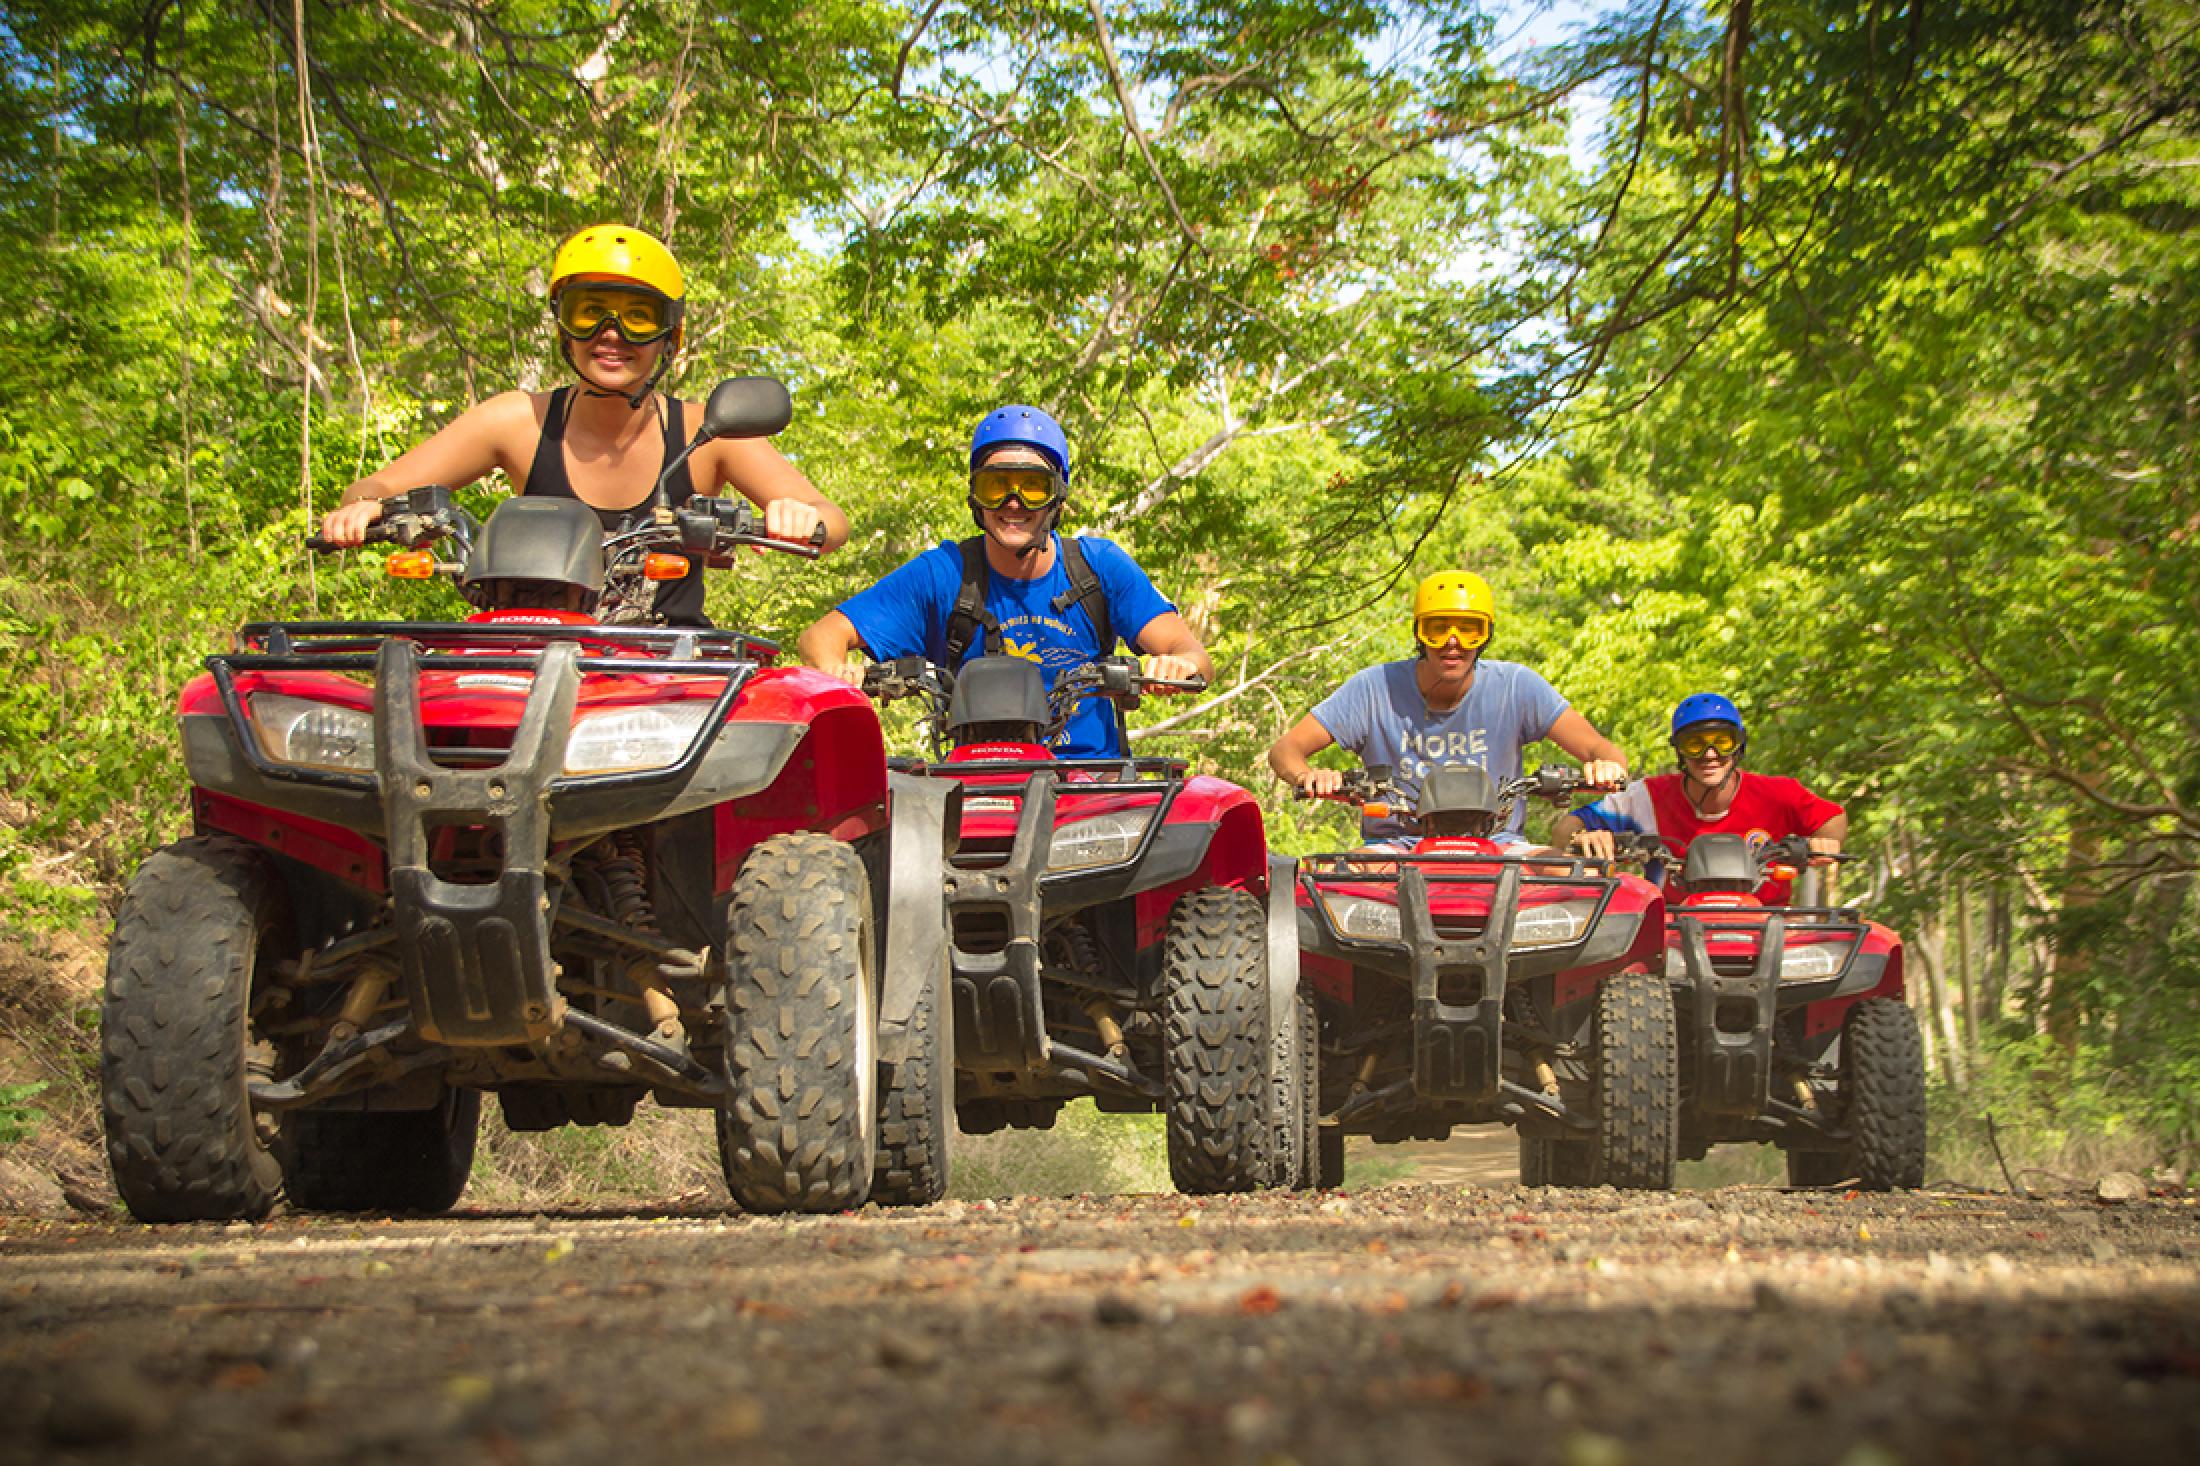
pixel 1449 705
pixel 1031 593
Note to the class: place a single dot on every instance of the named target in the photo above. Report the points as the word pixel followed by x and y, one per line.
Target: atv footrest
pixel 1727 1022
pixel 1458 991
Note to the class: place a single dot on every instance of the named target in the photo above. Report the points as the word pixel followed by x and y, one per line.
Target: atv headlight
pixel 317 735
pixel 1361 917
pixel 1102 840
pixel 623 740
pixel 1554 925
pixel 1812 961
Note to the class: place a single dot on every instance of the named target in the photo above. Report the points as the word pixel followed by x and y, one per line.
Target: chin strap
pixel 633 400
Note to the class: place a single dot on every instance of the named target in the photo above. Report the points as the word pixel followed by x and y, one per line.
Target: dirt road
pixel 1409 1322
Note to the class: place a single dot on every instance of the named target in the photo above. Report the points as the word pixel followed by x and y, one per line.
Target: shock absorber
pixel 625 876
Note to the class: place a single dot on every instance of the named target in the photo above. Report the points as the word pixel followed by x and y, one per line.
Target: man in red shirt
pixel 1711 792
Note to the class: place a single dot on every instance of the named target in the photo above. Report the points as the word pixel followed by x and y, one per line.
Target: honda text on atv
pixel 571 862
pixel 1461 985
pixel 1794 1027
pixel 1110 921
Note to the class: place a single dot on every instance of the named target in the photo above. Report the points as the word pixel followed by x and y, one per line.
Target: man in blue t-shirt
pixel 1044 598
pixel 1449 705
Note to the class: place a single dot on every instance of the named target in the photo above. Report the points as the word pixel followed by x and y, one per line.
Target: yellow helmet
pixel 618 252
pixel 625 260
pixel 1450 603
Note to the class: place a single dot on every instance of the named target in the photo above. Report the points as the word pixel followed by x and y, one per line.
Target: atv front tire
pixel 200 925
pixel 368 1160
pixel 1635 1081
pixel 798 1129
pixel 1216 1057
pixel 1881 1103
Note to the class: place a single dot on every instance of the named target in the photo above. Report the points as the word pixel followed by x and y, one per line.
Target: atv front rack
pixel 1000 1013
pixel 476 956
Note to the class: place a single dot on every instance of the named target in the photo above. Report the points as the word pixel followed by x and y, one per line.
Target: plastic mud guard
pixel 475 958
pixel 919 814
pixel 1457 1045
pixel 1283 940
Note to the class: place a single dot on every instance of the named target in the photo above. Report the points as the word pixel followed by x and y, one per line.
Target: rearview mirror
pixel 747 407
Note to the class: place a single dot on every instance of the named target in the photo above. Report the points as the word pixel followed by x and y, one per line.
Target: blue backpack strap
pixel 970 615
pixel 1084 587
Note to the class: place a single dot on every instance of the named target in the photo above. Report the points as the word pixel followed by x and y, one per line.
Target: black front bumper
pixel 475 957
pixel 1458 1041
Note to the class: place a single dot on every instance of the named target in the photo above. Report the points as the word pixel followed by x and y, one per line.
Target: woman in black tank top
pixel 619 299
pixel 678 602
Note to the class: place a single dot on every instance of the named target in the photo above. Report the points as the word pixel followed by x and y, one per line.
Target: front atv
pixel 1462 985
pixel 1109 933
pixel 1795 1030
pixel 572 864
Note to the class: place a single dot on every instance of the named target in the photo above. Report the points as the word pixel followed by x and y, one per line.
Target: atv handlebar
pixel 1779 859
pixel 903 677
pixel 715 527
pixel 1116 678
pixel 1369 788
pixel 415 518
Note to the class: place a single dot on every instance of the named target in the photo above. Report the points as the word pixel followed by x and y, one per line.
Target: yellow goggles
pixel 639 316
pixel 1434 631
pixel 1697 742
pixel 1030 485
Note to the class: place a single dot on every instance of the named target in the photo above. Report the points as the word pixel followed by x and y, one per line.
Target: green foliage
pixel 18 1116
pixel 1853 375
pixel 1085 1152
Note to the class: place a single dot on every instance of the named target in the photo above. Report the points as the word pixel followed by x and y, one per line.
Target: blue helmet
pixel 1028 426
pixel 1699 708
pixel 1707 707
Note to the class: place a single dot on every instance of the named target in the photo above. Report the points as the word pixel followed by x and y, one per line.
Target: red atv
pixel 1109 930
pixel 1794 1027
pixel 1460 985
pixel 533 853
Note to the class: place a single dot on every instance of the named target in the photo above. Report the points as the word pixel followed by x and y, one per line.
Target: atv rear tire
pixel 368 1160
pixel 201 922
pixel 1881 1104
pixel 798 1129
pixel 1292 1161
pixel 1310 1091
pixel 912 1168
pixel 1329 1158
pixel 1557 1162
pixel 1216 1057
pixel 1635 1083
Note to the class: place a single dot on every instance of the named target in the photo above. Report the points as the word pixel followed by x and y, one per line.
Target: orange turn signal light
pixel 1376 811
pixel 664 567
pixel 411 564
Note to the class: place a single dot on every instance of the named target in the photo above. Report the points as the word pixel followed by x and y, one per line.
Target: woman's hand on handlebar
pixel 793 520
pixel 1824 850
pixel 347 524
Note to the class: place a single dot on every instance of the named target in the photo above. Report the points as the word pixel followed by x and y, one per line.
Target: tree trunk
pixel 1967 969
